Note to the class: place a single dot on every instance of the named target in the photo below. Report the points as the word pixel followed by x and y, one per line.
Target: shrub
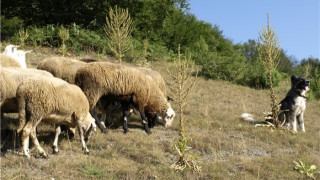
pixel 315 85
pixel 36 35
pixel 85 40
pixel 255 77
pixel 229 68
pixel 9 27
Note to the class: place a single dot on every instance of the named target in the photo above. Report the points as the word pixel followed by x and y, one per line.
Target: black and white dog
pixel 292 106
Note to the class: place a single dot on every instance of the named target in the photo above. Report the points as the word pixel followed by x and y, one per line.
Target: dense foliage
pixel 163 23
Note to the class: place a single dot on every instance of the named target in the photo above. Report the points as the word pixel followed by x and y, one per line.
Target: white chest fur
pixel 300 105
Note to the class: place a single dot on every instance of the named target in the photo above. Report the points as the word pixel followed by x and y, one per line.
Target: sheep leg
pixel 126 112
pixel 36 142
pixel 81 134
pixel 144 122
pixel 26 131
pixel 99 124
pixel 55 148
pixel 105 116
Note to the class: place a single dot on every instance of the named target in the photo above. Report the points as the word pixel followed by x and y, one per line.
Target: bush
pixel 229 68
pixel 9 27
pixel 256 77
pixel 315 85
pixel 85 40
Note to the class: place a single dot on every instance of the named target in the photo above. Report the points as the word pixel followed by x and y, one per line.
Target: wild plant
pixel 23 36
pixel 269 51
pixel 180 73
pixel 64 36
pixel 118 30
pixel 303 168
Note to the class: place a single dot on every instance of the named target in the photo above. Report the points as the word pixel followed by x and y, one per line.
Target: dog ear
pixel 293 78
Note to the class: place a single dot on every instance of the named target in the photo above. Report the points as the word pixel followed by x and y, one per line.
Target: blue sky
pixel 296 22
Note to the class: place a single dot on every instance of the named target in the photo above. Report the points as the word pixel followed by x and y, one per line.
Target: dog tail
pixel 249 118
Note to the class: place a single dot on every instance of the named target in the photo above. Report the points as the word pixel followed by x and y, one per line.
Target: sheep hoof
pixel 104 131
pixel 43 155
pixel 126 131
pixel 55 150
pixel 27 155
pixel 86 150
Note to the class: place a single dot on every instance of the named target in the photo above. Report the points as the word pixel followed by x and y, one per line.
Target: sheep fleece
pixel 62 67
pixel 102 78
pixel 51 96
pixel 7 61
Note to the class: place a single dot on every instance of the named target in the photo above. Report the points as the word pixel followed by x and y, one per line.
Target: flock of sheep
pixel 65 91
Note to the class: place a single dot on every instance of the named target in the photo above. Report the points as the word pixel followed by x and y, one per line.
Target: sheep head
pixel 10 49
pixel 88 125
pixel 167 116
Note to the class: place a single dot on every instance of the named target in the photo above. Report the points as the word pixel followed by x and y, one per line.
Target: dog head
pixel 300 84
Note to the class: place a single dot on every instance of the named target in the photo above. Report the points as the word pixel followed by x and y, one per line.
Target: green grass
pixel 229 148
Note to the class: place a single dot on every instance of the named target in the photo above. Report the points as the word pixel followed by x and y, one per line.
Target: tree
pixel 118 30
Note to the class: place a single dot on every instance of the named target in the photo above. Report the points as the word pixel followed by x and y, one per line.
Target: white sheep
pixel 114 82
pixel 18 55
pixel 55 101
pixel 66 68
pixel 10 79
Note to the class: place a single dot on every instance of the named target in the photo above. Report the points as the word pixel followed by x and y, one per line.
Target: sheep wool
pixel 7 61
pixel 62 67
pixel 10 79
pixel 55 101
pixel 157 78
pixel 102 78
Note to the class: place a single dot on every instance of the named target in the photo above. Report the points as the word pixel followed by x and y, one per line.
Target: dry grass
pixel 229 148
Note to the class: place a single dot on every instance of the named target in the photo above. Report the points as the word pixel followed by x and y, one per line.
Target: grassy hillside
pixel 229 148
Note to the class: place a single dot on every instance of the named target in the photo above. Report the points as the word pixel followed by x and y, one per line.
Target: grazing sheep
pixel 10 79
pixel 154 77
pixel 55 101
pixel 7 61
pixel 62 67
pixel 66 68
pixel 113 82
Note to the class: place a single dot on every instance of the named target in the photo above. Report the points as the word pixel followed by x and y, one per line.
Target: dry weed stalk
pixel 307 69
pixel 23 36
pixel 181 73
pixel 118 30
pixel 269 51
pixel 143 60
pixel 64 36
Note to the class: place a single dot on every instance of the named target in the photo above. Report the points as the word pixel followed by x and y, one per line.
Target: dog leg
pixel 294 123
pixel 301 122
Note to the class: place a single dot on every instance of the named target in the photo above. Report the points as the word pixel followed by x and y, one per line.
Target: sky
pixel 297 22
